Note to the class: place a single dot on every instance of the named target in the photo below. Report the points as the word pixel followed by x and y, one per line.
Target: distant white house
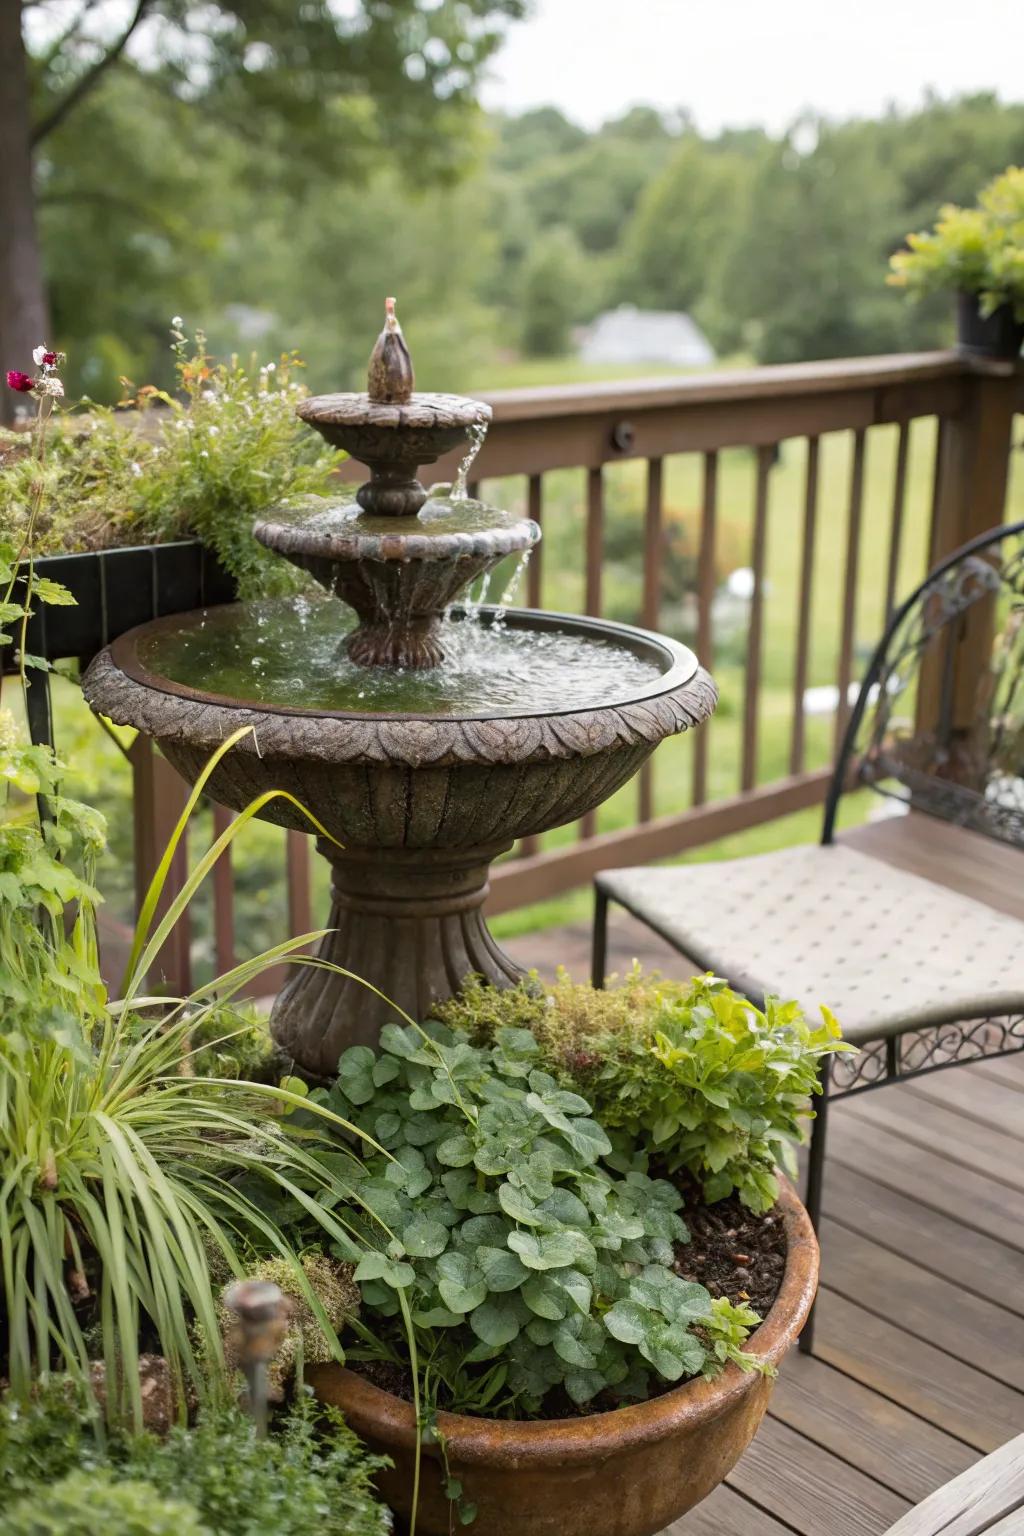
pixel 631 335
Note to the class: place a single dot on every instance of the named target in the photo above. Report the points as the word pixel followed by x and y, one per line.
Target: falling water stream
pixel 475 434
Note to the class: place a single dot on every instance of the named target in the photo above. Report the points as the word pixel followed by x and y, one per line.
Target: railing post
pixel 159 796
pixel 971 473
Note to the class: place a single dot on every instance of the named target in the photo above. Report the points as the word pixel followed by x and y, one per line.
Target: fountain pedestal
pixel 412 921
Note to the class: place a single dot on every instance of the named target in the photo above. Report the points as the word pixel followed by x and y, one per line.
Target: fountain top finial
pixel 390 379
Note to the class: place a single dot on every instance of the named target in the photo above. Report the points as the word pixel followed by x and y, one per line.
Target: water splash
pixel 475 435
pixel 489 669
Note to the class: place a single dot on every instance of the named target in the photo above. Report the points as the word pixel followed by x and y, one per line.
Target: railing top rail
pixel 734 385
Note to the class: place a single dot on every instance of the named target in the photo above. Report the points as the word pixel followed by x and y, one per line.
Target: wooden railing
pixel 853 476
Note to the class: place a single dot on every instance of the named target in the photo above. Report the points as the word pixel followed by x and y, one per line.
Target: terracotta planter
pixel 630 1472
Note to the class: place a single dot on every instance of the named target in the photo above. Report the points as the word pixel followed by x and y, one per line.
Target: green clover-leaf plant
pixel 525 1263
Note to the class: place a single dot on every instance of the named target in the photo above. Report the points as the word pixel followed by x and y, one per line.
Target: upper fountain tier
pixel 395 554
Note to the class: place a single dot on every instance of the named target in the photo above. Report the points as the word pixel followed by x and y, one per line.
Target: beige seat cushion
pixel 885 950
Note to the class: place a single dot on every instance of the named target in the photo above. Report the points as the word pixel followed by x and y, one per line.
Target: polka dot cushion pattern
pixel 885 950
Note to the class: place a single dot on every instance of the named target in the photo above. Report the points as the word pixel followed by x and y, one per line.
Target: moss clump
pixel 567 1018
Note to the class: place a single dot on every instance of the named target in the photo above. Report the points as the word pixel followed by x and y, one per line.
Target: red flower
pixel 20 381
pixel 51 359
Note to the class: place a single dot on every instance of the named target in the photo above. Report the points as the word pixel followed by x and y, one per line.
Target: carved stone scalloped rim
pixel 422 410
pixel 346 544
pixel 409 742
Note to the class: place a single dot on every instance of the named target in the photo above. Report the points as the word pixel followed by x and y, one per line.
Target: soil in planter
pixel 732 1252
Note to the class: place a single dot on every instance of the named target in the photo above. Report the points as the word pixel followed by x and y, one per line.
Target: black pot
pixel 999 334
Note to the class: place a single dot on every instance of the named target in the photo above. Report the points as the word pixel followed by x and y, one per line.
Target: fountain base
pixel 408 922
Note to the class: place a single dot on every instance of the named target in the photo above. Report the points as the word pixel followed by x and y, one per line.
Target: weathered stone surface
pixel 418 807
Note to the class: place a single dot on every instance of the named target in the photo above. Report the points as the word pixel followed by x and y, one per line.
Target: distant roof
pixel 631 335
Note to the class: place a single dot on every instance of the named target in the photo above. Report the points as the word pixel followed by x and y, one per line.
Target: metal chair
pixel 921 976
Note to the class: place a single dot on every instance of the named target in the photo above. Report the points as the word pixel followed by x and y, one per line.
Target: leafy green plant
pixel 215 1479
pixel 523 1263
pixel 972 250
pixel 204 461
pixel 691 1072
pixel 84 1502
pixel 118 1171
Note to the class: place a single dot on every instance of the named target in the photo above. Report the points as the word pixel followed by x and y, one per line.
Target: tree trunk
pixel 23 310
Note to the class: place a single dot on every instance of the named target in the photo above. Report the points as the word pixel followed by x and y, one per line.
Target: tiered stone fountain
pixel 425 738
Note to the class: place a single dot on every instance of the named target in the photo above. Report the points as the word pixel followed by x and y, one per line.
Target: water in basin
pixel 287 653
pixel 441 514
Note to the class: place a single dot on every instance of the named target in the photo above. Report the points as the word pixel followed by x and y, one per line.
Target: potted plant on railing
pixel 978 254
pixel 579 1207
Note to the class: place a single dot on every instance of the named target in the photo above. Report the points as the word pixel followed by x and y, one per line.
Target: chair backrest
pixel 939 720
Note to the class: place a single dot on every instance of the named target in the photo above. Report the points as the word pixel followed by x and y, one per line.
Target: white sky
pixel 738 62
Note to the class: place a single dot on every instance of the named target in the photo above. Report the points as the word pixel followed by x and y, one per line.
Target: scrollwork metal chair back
pixel 943 737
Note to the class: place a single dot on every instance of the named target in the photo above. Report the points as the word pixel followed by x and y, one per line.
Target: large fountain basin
pixel 420 804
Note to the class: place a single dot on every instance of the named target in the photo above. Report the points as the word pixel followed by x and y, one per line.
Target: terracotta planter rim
pixel 695 1402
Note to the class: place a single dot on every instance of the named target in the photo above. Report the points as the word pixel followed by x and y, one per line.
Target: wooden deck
pixel 918 1365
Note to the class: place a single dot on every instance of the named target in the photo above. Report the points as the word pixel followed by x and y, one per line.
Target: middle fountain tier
pixel 426 738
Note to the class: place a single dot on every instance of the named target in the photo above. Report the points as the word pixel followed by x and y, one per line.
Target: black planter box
pixel 115 589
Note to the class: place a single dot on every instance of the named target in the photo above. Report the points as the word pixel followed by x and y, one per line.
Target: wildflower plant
pixel 202 460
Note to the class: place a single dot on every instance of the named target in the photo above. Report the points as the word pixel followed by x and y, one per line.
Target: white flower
pixel 38 354
pixel 136 468
pixel 51 385
pixel 177 321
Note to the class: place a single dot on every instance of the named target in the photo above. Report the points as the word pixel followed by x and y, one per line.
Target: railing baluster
pixel 803 639
pixel 300 907
pixel 849 625
pixel 752 689
pixel 528 846
pixel 651 600
pixel 705 602
pixel 595 542
pixel 158 799
pixel 592 594
pixel 223 896
pixel 899 496
pixel 535 509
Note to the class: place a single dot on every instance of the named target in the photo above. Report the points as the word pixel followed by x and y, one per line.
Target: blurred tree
pixel 684 220
pixel 553 293
pixel 534 136
pixel 803 276
pixel 310 89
